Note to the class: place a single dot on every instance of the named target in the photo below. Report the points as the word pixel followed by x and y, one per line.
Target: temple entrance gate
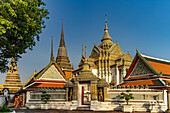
pixel 84 93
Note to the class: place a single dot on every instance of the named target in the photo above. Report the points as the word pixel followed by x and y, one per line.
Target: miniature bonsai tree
pixel 127 96
pixel 45 97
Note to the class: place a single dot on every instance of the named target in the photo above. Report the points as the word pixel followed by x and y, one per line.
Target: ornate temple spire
pixel 106 34
pixel 12 80
pixel 62 58
pixel 52 56
pixel 82 50
pixel 86 65
pixel 106 28
pixel 62 42
pixel 106 40
pixel 85 50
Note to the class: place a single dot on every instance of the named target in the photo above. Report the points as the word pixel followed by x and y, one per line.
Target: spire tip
pixel 52 56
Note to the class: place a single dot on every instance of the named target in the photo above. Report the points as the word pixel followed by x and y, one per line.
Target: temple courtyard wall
pixel 144 100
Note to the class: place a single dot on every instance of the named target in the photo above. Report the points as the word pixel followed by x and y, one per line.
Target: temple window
pixel 120 75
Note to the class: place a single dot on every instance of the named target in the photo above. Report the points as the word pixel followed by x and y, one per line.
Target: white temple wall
pixel 113 74
pixel 94 71
pixel 144 99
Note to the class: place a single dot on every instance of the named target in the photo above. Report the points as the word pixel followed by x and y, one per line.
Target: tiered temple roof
pixel 49 77
pixel 149 71
pixel 12 80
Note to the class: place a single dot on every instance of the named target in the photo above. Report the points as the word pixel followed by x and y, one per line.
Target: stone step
pixel 83 108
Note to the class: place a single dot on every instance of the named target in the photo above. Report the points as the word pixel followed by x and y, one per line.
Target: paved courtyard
pixel 59 111
pixel 64 111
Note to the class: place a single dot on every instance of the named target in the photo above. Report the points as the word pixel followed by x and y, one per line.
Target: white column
pixel 165 97
pixel 117 75
pixel 23 99
pixel 28 96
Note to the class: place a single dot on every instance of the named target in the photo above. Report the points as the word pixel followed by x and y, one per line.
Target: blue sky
pixel 144 24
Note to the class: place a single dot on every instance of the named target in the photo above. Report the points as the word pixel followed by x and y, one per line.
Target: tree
pixel 45 97
pixel 21 22
pixel 127 96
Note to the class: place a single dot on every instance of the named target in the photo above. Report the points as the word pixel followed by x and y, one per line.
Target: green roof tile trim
pixel 158 82
pixel 31 86
pixel 165 75
pixel 147 64
pixel 155 60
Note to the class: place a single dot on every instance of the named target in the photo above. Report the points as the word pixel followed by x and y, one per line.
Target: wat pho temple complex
pixel 98 81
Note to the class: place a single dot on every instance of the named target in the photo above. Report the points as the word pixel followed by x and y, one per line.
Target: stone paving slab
pixel 59 111
pixel 64 111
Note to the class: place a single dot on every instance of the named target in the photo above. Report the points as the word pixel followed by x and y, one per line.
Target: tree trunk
pixel 127 102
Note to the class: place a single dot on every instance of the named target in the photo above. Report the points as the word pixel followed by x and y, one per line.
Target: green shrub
pixel 4 108
pixel 45 97
pixel 127 96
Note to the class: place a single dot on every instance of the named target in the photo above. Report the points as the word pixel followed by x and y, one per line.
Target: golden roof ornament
pixel 106 34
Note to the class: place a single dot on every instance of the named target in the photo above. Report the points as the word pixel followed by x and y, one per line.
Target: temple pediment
pixel 52 74
pixel 95 52
pixel 115 50
pixel 127 57
pixel 140 69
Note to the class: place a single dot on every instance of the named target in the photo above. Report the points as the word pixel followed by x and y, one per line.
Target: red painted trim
pixel 29 90
pixel 82 96
pixel 163 87
pixel 149 78
pixel 130 70
pixel 49 81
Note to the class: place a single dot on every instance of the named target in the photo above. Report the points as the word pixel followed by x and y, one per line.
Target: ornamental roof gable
pixel 115 50
pixel 95 52
pixel 52 73
pixel 127 57
pixel 140 67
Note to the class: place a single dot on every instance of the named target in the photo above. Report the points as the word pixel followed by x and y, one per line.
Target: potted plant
pixel 127 96
pixel 45 98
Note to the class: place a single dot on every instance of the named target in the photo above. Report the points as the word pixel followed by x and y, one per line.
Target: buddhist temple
pixel 86 88
pixel 107 60
pixel 50 79
pixel 148 71
pixel 62 57
pixel 99 81
pixel 12 80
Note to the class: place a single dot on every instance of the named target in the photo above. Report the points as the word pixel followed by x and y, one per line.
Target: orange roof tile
pixel 49 85
pixel 168 81
pixel 139 83
pixel 165 68
pixel 68 73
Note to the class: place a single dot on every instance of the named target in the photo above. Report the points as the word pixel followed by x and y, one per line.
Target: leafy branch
pixel 127 96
